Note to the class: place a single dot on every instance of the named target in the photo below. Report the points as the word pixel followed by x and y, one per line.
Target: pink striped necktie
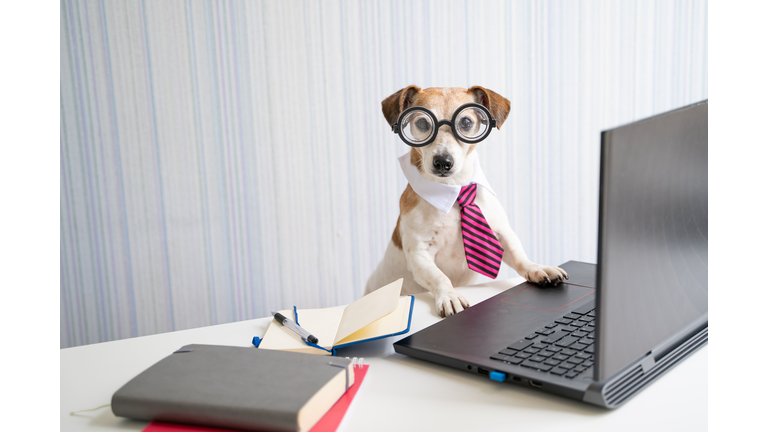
pixel 481 246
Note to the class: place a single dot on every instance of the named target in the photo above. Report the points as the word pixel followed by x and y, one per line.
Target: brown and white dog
pixel 427 248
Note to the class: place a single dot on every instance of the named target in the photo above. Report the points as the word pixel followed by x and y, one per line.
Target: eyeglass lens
pixel 417 127
pixel 472 123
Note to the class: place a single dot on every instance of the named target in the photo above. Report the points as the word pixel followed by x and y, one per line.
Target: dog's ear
pixel 497 104
pixel 399 101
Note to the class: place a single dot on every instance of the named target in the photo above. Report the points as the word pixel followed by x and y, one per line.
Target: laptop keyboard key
pixel 545 353
pixel 569 329
pixel 508 352
pixel 567 352
pixel 583 356
pixel 558 371
pixel 560 357
pixel 537 359
pixel 545 332
pixel 520 345
pixel 531 350
pixel 556 336
pixel 539 366
pixel 567 365
pixel 566 341
pixel 579 334
pixel 571 374
pixel 522 355
pixel 532 336
pixel 584 310
pixel 506 359
pixel 563 321
pixel 590 349
pixel 549 326
pixel 579 346
pixel 551 362
pixel 572 316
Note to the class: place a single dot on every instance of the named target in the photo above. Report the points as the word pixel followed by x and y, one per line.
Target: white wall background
pixel 221 159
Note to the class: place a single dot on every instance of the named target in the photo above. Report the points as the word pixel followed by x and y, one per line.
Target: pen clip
pixel 342 366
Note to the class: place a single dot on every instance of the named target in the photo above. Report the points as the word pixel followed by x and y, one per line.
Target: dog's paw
pixel 450 303
pixel 546 275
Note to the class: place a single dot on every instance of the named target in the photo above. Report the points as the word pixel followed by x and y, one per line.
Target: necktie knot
pixel 467 195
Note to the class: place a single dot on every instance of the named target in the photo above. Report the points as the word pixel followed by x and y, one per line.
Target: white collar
pixel 441 196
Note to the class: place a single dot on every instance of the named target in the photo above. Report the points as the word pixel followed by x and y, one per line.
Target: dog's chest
pixel 448 241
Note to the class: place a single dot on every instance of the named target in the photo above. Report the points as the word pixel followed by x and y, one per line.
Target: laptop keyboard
pixel 564 347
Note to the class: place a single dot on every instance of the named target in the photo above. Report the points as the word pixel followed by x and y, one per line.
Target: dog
pixel 427 245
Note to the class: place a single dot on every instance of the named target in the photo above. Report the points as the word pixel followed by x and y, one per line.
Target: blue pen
pixel 295 328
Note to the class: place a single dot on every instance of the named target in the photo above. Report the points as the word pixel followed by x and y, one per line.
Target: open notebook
pixel 379 314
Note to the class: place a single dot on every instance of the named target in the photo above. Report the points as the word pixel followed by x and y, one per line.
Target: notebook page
pixel 368 309
pixel 321 323
pixel 394 322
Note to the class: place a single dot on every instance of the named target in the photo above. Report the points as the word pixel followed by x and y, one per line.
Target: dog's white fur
pixel 427 248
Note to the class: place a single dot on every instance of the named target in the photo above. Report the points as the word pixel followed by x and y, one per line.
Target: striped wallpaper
pixel 221 159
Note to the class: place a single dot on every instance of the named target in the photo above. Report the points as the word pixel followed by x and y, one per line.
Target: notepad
pixel 382 313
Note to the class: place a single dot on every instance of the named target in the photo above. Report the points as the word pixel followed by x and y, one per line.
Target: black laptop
pixel 617 326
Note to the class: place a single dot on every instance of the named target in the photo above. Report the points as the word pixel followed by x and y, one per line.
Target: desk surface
pixel 399 391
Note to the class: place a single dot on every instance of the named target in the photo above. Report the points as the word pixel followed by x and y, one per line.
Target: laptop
pixel 617 326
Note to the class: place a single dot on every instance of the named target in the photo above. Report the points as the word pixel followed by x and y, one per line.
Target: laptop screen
pixel 652 250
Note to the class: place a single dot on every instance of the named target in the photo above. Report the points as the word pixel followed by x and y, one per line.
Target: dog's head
pixel 443 158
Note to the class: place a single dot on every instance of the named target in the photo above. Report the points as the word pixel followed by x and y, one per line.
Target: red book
pixel 329 423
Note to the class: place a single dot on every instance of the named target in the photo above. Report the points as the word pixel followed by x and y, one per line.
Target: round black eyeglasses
pixel 418 126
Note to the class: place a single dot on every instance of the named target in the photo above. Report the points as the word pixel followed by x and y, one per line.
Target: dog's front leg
pixel 421 261
pixel 515 257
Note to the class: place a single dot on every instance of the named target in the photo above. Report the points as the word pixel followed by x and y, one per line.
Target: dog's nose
pixel 442 163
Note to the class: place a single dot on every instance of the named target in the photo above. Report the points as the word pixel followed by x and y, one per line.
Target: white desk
pixel 399 392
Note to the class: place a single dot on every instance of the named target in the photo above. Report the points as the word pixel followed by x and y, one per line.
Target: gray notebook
pixel 236 387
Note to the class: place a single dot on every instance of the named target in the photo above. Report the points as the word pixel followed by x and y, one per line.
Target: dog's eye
pixel 465 123
pixel 422 124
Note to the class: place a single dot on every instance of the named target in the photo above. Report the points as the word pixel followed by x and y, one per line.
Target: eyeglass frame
pixel 438 124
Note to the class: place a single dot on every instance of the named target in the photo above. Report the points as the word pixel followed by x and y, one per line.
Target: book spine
pixel 221 416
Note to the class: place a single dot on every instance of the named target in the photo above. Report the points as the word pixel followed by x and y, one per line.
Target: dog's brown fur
pixel 398 102
pixel 416 158
pixel 408 201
